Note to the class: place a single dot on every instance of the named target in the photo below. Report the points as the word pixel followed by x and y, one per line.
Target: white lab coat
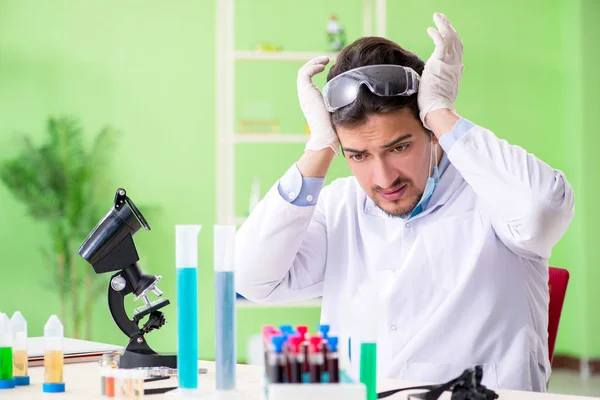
pixel 463 283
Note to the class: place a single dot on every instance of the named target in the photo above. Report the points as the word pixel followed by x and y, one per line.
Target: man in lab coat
pixel 451 225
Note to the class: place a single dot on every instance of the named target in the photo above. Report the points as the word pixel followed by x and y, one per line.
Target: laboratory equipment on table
pixel 109 248
pixel 19 347
pixel 123 386
pixel 276 360
pixel 186 262
pixel 107 380
pixel 285 375
pixel 225 355
pixel 302 331
pixel 332 360
pixel 324 330
pixel 129 384
pixel 295 359
pixel 53 356
pixel 315 359
pixel 6 363
pixel 138 378
pixel 466 387
pixel 368 302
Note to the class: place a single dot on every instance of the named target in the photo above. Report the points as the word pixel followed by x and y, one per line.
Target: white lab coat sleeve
pixel 281 251
pixel 530 204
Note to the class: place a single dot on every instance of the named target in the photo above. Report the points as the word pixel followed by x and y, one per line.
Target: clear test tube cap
pixel 19 331
pixel 53 328
pixel 53 334
pixel 18 322
pixel 5 331
pixel 224 247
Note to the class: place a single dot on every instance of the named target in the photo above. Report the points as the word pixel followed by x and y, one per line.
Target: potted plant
pixel 60 183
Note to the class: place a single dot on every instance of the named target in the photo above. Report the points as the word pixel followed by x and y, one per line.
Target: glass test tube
pixel 303 331
pixel 123 384
pixel 324 329
pixel 137 384
pixel 225 355
pixel 296 359
pixel 186 261
pixel 107 379
pixel 277 361
pixel 20 360
pixel 316 360
pixel 332 361
pixel 53 356
pixel 6 363
pixel 368 340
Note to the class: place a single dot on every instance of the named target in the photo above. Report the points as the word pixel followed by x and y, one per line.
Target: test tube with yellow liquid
pixel 19 336
pixel 53 356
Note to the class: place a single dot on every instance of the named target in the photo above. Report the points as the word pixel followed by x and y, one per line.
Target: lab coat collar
pixel 450 182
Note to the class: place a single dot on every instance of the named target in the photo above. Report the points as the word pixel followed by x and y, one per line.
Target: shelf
pixel 281 55
pixel 271 138
pixel 239 220
pixel 312 303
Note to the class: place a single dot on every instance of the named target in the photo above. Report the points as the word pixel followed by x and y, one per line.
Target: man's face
pixel 390 157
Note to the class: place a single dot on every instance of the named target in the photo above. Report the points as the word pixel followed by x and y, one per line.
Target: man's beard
pixel 403 212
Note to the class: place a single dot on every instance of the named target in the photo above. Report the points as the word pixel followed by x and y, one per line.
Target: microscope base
pixel 130 359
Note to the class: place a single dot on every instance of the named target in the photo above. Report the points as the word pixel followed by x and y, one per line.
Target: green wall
pixel 589 32
pixel 148 68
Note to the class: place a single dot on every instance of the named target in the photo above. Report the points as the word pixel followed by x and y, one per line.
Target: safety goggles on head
pixel 382 80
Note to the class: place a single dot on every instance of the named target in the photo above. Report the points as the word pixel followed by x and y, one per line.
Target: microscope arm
pixel 116 305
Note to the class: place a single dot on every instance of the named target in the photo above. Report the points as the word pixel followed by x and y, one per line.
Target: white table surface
pixel 83 382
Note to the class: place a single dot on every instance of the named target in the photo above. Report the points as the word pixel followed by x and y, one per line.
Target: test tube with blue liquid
pixel 225 355
pixel 186 262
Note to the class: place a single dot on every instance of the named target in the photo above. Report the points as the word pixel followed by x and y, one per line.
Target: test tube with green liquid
pixel 368 341
pixel 6 364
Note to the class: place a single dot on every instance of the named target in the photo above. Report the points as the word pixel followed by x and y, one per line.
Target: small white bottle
pixel 20 359
pixel 53 356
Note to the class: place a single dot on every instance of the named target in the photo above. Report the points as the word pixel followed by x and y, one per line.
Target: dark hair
pixel 373 51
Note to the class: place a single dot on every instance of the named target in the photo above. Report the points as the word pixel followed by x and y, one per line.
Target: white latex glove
pixel 438 86
pixel 322 134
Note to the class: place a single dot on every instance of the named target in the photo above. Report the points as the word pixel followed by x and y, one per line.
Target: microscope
pixel 109 248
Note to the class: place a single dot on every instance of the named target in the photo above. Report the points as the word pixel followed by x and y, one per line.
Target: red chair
pixel 557 285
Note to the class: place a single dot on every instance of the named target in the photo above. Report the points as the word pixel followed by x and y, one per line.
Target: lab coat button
pixel 309 198
pixel 394 327
pixel 407 225
pixel 292 195
pixel 369 209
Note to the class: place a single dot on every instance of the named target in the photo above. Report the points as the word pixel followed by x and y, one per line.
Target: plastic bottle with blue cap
pixel 6 367
pixel 53 356
pixel 19 345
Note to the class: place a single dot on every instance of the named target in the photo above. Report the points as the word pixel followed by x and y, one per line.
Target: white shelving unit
pixel 279 55
pixel 270 138
pixel 227 57
pixel 241 303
